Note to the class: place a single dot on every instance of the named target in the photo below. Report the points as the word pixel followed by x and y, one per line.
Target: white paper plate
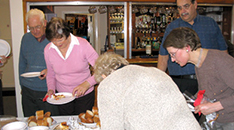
pixel 68 98
pixel 57 127
pixel 5 48
pixel 30 74
pixel 89 125
pixel 39 128
pixel 17 125
pixel 92 125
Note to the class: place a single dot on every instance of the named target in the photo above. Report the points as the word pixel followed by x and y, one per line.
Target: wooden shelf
pixel 116 22
pixel 142 50
pixel 148 34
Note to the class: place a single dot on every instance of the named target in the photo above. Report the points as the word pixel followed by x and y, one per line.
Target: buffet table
pixel 57 120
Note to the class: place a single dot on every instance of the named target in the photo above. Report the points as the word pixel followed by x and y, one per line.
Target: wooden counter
pixel 144 61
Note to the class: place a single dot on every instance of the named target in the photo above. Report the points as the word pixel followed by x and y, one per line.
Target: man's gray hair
pixel 35 12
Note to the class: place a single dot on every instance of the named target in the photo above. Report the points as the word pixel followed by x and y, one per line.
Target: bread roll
pixel 49 120
pixel 40 114
pixel 89 114
pixel 64 126
pixel 42 123
pixel 82 118
pixel 47 114
pixel 95 110
pixel 96 118
pixel 32 123
pixel 81 114
pixel 89 120
pixel 98 124
pixel 31 118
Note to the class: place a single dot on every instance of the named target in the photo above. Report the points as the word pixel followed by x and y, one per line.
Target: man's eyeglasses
pixel 173 55
pixel 38 27
pixel 186 6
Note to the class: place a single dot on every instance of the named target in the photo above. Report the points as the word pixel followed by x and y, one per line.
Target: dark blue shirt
pixel 210 36
pixel 32 60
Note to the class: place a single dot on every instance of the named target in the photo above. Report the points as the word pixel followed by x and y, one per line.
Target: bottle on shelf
pixel 143 42
pixel 154 42
pixel 138 46
pixel 148 49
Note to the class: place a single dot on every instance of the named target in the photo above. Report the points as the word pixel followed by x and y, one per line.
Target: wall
pixel 17 31
pixel 5 34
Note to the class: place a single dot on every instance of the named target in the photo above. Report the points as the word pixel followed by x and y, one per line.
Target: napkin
pixel 199 99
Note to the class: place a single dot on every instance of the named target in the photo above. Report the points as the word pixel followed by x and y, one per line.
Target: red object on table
pixel 199 99
pixel 45 98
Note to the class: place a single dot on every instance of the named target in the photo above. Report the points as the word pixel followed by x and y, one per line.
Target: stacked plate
pixel 5 48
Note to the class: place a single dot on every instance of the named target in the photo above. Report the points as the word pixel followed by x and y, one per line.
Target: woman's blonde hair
pixel 107 63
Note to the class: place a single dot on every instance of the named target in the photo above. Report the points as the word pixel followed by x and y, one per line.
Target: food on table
pixel 95 110
pixel 62 126
pixel 59 96
pixel 40 119
pixel 99 124
pixel 40 114
pixel 90 116
pixel 96 118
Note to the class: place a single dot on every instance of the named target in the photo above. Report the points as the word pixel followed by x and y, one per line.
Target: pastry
pixel 40 114
pixel 95 110
pixel 96 118
pixel 89 114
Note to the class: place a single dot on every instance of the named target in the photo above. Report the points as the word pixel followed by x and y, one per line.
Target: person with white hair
pixel 31 59
pixel 133 97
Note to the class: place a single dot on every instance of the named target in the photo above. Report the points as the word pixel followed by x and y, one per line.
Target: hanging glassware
pixel 92 9
pixel 102 9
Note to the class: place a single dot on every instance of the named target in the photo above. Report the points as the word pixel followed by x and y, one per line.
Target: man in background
pixel 32 60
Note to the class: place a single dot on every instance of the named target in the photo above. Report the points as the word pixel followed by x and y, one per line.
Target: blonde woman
pixel 132 97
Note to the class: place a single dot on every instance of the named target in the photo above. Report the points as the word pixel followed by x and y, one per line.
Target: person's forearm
pixel 162 62
pixel 218 106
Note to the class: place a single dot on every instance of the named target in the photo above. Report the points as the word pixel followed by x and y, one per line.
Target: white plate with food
pixel 5 48
pixel 30 74
pixel 93 124
pixel 89 125
pixel 61 126
pixel 39 128
pixel 60 98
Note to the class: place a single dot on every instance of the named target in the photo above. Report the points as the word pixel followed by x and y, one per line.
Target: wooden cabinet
pixel 115 29
pixel 148 27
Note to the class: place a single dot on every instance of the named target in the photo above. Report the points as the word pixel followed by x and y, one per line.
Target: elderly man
pixel 32 60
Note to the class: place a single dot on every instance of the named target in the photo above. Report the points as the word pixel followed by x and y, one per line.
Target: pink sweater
pixel 65 75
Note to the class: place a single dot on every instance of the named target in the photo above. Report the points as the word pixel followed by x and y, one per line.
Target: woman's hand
pixel 3 59
pixel 81 89
pixel 208 108
pixel 49 93
pixel 43 74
